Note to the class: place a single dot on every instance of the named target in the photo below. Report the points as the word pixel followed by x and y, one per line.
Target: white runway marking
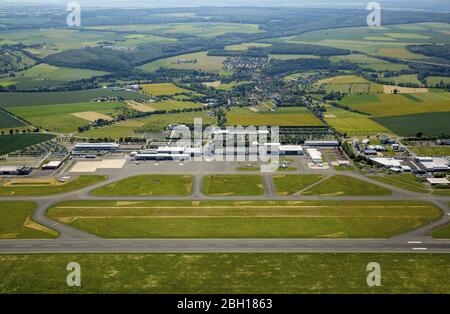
pixel 420 249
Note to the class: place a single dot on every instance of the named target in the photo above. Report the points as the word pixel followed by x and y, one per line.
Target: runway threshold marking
pixel 414 242
pixel 420 249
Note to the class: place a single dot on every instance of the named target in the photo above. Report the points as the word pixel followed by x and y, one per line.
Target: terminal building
pixel 80 147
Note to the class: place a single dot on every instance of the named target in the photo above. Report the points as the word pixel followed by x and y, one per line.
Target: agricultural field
pixel 349 122
pixel 148 185
pixel 292 184
pixel 11 143
pixel 233 185
pixel 46 188
pixel 340 185
pixel 44 75
pixel 404 79
pixel 169 105
pixel 199 61
pixel 293 116
pixel 246 46
pixel 386 41
pixel 366 62
pixel 403 181
pixel 349 84
pixel 226 273
pixel 9 100
pixel 66 118
pixel 196 29
pixel 16 222
pixel 154 123
pixel 437 80
pixel 245 219
pixel 224 86
pixel 430 124
pixel 163 89
pixel 8 121
pixel 401 104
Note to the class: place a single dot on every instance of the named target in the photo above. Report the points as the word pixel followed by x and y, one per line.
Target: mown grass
pixel 149 185
pixel 340 185
pixel 403 181
pixel 256 273
pixel 291 184
pixel 77 184
pixel 16 222
pixel 233 185
pixel 245 219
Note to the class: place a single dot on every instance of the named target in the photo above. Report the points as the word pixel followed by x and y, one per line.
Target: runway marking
pixel 414 242
pixel 420 249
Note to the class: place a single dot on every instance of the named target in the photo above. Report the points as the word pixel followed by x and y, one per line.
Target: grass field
pixel 233 185
pixel 48 72
pixel 36 190
pixel 436 80
pixel 16 222
pixel 62 118
pixel 403 181
pixel 442 233
pixel 351 122
pixel 291 184
pixel 163 89
pixel 405 79
pixel 8 100
pixel 431 150
pixel 261 273
pixel 430 124
pixel 7 121
pixel 149 185
pixel 245 219
pixel 340 185
pixel 12 143
pixel 296 116
pixel 246 46
pixel 366 62
pixel 195 61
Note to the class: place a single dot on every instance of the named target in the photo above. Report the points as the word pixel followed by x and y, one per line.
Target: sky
pixel 437 5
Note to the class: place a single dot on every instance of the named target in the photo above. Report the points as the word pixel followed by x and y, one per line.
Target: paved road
pixel 72 240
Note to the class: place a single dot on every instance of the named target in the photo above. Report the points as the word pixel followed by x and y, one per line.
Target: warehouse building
pixel 15 171
pixel 96 147
pixel 52 165
pixel 315 156
pixel 291 150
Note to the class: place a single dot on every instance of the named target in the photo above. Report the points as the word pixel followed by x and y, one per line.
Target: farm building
pixel 96 147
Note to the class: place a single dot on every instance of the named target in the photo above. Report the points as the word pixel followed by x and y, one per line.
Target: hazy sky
pixel 438 5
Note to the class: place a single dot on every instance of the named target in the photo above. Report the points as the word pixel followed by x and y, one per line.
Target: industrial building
pixel 52 165
pixel 291 150
pixel 388 162
pixel 96 147
pixel 315 156
pixel 15 171
pixel 322 143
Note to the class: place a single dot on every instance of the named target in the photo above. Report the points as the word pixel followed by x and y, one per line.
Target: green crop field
pixel 246 46
pixel 16 222
pixel 430 124
pixel 349 84
pixel 351 123
pixel 35 190
pixel 195 61
pixel 233 185
pixel 8 100
pixel 7 121
pixel 245 219
pixel 340 185
pixel 61 118
pixel 436 80
pixel 169 105
pixel 403 181
pixel 149 185
pixel 163 89
pixel 291 184
pixel 402 104
pixel 404 79
pixel 154 123
pixel 48 72
pixel 296 116
pixel 12 143
pixel 366 62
